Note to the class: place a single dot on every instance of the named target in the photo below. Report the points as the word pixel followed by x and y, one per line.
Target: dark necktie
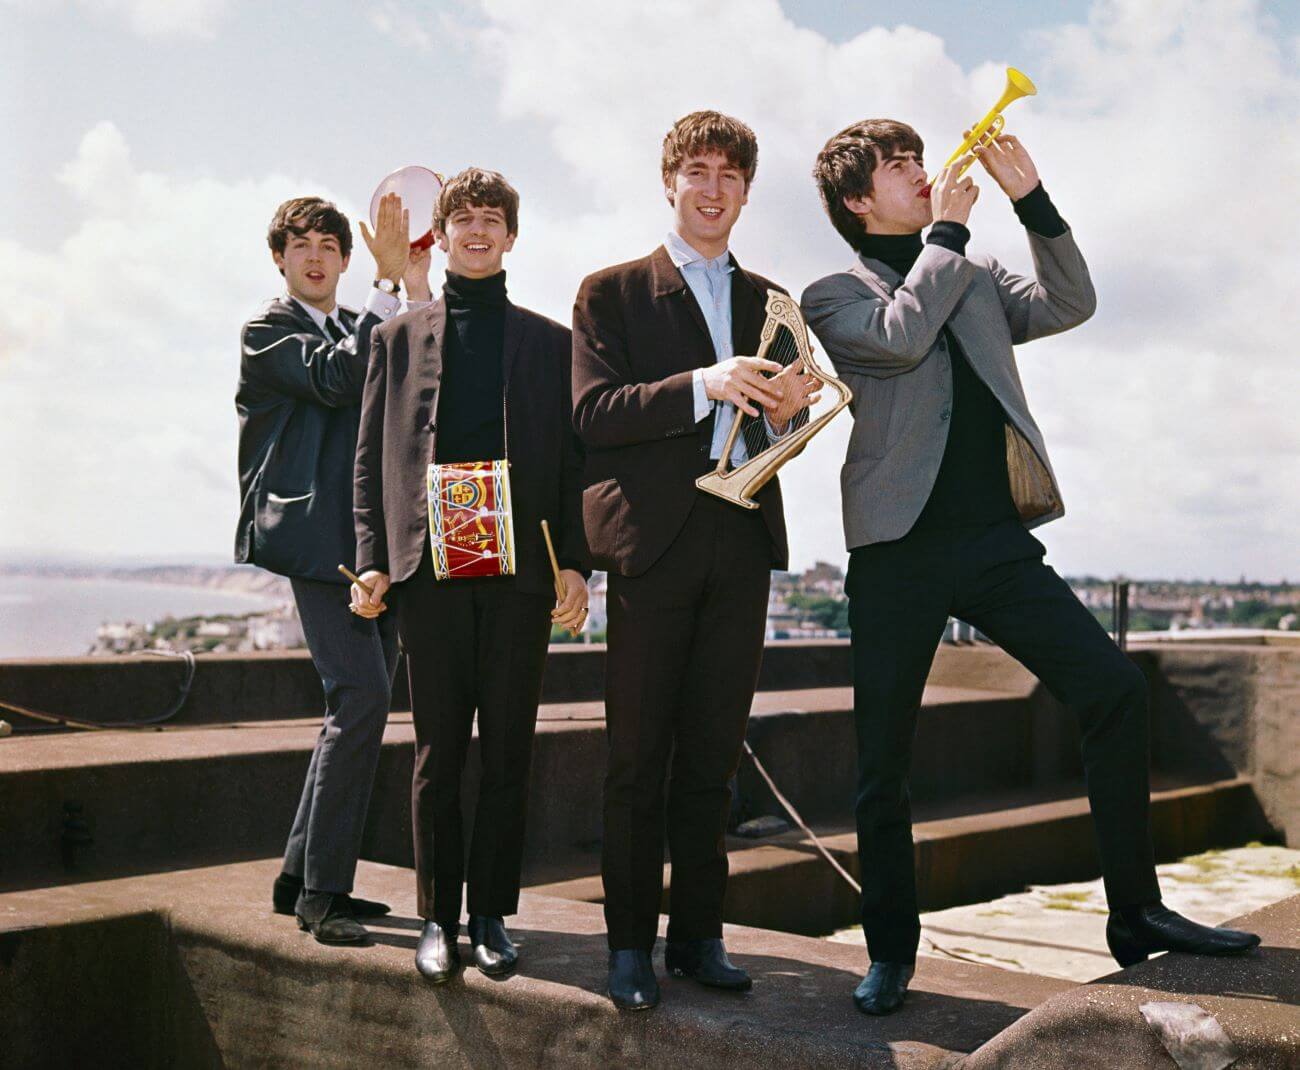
pixel 332 328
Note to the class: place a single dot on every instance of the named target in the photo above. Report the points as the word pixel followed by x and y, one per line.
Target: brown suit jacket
pixel 399 425
pixel 638 334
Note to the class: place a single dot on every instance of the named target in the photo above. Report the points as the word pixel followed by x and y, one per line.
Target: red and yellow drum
pixel 470 524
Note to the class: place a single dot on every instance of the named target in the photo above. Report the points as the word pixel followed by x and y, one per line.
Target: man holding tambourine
pixel 466 446
pixel 302 367
pixel 946 471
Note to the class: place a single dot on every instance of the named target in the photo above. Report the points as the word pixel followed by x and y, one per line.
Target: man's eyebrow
pixel 900 156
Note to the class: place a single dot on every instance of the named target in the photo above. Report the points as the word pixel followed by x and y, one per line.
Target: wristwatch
pixel 388 286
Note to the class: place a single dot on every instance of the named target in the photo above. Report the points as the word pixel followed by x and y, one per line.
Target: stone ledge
pixel 1256 998
pixel 243 986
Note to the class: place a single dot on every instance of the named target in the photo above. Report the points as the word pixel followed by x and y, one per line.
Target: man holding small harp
pixel 656 387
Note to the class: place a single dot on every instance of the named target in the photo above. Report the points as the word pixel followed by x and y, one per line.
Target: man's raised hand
pixel 390 244
pixel 416 276
pixel 952 198
pixel 1009 164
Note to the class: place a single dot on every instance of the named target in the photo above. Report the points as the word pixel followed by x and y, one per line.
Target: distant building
pixel 278 630
pixel 824 579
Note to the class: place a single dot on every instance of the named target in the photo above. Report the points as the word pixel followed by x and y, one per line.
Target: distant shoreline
pixel 239 580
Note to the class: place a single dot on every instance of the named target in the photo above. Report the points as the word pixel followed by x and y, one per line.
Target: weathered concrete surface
pixel 1059 930
pixel 1256 998
pixel 783 883
pixel 226 982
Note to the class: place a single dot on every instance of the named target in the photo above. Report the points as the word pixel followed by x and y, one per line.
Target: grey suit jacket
pixel 883 334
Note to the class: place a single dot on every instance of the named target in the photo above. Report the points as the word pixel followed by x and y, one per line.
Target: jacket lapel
pixel 430 358
pixel 510 350
pixel 299 315
pixel 514 338
pixel 745 303
pixel 666 281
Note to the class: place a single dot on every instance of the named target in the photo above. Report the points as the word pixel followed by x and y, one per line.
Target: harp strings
pixel 784 350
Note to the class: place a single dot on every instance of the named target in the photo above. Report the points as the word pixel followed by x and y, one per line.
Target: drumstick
pixel 555 565
pixel 555 569
pixel 370 592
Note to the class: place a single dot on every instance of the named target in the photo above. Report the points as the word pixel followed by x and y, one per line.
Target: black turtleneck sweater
pixel 471 405
pixel 972 487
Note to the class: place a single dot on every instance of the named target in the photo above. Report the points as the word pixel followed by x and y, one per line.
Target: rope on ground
pixel 153 724
pixel 857 888
pixel 794 814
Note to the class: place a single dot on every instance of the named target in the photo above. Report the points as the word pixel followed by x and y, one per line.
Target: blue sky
pixel 148 143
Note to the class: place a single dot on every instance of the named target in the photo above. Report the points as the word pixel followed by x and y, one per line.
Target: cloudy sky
pixel 147 143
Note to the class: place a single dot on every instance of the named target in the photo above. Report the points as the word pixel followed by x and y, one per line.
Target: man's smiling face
pixel 707 193
pixel 311 264
pixel 475 239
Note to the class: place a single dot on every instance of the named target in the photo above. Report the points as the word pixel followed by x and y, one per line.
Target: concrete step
pixel 88 805
pixel 966 851
pixel 1254 999
pixel 191 969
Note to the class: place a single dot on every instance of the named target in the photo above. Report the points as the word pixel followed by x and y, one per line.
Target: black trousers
pixel 685 644
pixel 356 659
pixel 900 596
pixel 471 644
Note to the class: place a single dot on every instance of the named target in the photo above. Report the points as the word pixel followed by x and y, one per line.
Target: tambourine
pixel 419 188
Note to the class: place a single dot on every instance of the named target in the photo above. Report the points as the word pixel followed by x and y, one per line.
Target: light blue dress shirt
pixel 710 282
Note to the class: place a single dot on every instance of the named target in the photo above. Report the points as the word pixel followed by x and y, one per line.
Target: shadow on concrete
pixel 783 990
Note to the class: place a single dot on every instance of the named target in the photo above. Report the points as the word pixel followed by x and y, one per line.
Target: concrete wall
pixel 1216 711
pixel 1225 708
pixel 261 686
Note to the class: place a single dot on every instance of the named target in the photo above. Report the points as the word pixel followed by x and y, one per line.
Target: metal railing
pixel 1119 592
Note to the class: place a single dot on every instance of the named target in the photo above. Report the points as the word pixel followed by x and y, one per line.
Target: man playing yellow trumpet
pixel 946 472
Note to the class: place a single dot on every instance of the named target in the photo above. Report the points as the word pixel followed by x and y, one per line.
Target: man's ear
pixel 346 260
pixel 859 206
pixel 670 193
pixel 279 261
pixel 440 239
pixel 510 242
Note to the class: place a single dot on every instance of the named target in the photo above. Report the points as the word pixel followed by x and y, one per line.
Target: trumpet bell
pixel 1019 85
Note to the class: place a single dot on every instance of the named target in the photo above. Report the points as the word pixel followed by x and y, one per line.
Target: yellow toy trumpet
pixel 983 132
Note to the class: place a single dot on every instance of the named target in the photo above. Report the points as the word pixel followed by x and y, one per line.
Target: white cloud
pixel 119 357
pixel 1166 134
pixel 164 18
pixel 405 27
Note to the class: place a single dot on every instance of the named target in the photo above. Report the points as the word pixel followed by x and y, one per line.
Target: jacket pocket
pixel 603 511
pixel 284 511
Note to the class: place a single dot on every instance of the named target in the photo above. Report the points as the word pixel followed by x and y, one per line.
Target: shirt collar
pixel 683 254
pixel 318 317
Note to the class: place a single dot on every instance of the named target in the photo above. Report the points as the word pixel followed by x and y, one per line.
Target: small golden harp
pixel 784 340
